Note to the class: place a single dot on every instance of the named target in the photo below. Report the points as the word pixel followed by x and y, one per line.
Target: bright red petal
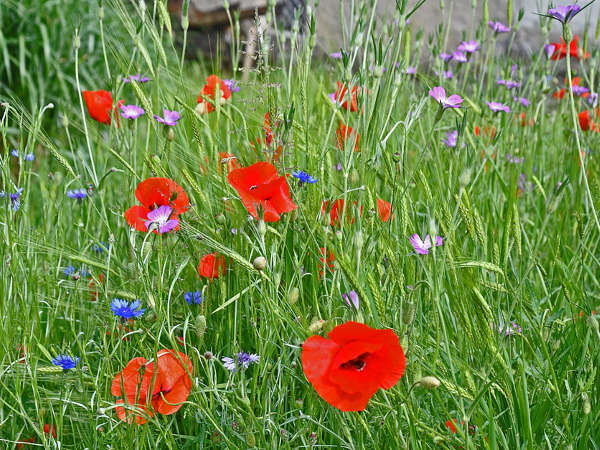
pixel 136 216
pixel 384 210
pixel 99 105
pixel 162 191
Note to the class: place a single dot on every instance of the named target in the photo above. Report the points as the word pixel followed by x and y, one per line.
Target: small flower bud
pixel 316 326
pixel 262 228
pixel 170 134
pixel 259 263
pixel 208 355
pixel 294 295
pixel 339 235
pixel 408 313
pixel 429 382
pixel 220 219
pixel 200 325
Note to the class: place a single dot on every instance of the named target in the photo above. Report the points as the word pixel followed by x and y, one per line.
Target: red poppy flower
pixel 168 378
pixel 486 131
pixel 25 441
pixel 212 266
pixel 100 104
pixel 348 368
pixel 561 93
pixel 585 121
pixel 335 213
pixel 206 98
pixel 524 121
pixel 384 210
pixel 260 186
pixel 93 290
pixel 269 139
pixel 47 430
pixel 344 132
pixel 153 193
pixel 329 260
pixel 229 161
pixel 451 425
pixel 340 96
pixel 560 49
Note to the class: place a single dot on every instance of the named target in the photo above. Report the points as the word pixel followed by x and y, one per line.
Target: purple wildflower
pixel 422 246
pixel 351 299
pixel 126 310
pixel 232 85
pixel 468 46
pixel 161 217
pixel 451 137
pixel 459 56
pixel 336 55
pixel 439 94
pixel 509 84
pixel 514 159
pixel 131 111
pixel 549 49
pixel 497 107
pixel 29 157
pixel 522 100
pixel 137 78
pixel 242 359
pixel 580 90
pixel 593 99
pixel 410 70
pixel 498 27
pixel 170 117
pixel 15 153
pixel 564 13
pixel 445 56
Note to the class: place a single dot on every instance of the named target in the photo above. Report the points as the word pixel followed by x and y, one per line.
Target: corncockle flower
pixel 232 85
pixel 509 84
pixel 65 361
pixel 336 55
pixel 137 78
pixel 352 296
pixel 580 90
pixel 77 194
pixel 513 69
pixel 131 111
pixel 422 246
pixel 447 74
pixel 459 56
pixel 514 159
pixel 468 46
pixel 126 310
pixel 242 359
pixel 549 49
pixel 338 167
pixel 169 118
pixel 498 27
pixel 509 330
pixel 332 97
pixel 15 153
pixel 497 107
pixel 451 138
pixel 410 70
pixel 161 217
pixel 445 56
pixel 593 99
pixel 522 100
pixel 565 13
pixel 193 297
pixel 29 157
pixel 304 177
pixel 439 95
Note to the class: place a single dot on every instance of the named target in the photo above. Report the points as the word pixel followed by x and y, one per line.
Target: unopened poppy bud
pixel 200 325
pixel 429 382
pixel 408 313
pixel 201 108
pixel 77 42
pixel 65 120
pixel 316 326
pixel 171 134
pixel 465 177
pixel 587 407
pixel 262 228
pixel 567 33
pixel 277 279
pixel 299 402
pixel 294 295
pixel 259 263
pixel 220 218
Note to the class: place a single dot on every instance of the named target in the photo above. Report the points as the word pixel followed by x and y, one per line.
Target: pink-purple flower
pixel 510 84
pixel 161 217
pixel 445 56
pixel 564 13
pixel 580 90
pixel 422 246
pixel 351 299
pixel 498 27
pixel 439 94
pixel 137 78
pixel 169 117
pixel 131 111
pixel 468 46
pixel 232 85
pixel 451 138
pixel 522 100
pixel 498 107
pixel 459 56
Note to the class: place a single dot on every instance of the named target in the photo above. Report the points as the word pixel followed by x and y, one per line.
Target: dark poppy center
pixel 161 391
pixel 357 363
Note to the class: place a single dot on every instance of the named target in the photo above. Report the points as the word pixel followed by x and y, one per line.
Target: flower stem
pixel 574 117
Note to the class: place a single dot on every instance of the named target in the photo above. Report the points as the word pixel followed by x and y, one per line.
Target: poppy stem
pixel 574 117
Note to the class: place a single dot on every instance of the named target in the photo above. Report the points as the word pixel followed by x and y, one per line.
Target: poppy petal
pixel 136 216
pixel 158 191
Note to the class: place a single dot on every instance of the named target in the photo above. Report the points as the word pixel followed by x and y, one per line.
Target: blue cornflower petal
pixel 125 310
pixel 65 361
pixel 304 177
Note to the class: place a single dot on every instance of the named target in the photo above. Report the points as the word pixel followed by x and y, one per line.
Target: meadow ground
pixel 266 221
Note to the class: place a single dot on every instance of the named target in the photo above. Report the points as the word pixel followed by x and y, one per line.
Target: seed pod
pixel 429 382
pixel 259 263
pixel 200 325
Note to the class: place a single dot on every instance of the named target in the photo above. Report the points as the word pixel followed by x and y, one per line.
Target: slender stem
pixel 574 117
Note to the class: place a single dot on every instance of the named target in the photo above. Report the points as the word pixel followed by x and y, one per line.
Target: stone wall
pixel 429 16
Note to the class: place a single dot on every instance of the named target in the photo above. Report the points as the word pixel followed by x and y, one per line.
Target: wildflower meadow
pixel 394 245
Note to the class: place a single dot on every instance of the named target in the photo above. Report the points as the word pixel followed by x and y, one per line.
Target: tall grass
pixel 516 247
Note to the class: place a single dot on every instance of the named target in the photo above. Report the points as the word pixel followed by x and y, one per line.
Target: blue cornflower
pixel 69 270
pixel 193 297
pixel 304 177
pixel 15 153
pixel 29 156
pixel 125 310
pixel 77 194
pixel 242 359
pixel 99 248
pixel 84 272
pixel 65 361
pixel 14 198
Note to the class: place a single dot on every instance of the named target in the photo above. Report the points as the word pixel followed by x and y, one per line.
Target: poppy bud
pixel 259 263
pixel 294 295
pixel 408 313
pixel 220 218
pixel 262 228
pixel 200 325
pixel 587 407
pixel 316 326
pixel 429 382
pixel 201 108
pixel 171 134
